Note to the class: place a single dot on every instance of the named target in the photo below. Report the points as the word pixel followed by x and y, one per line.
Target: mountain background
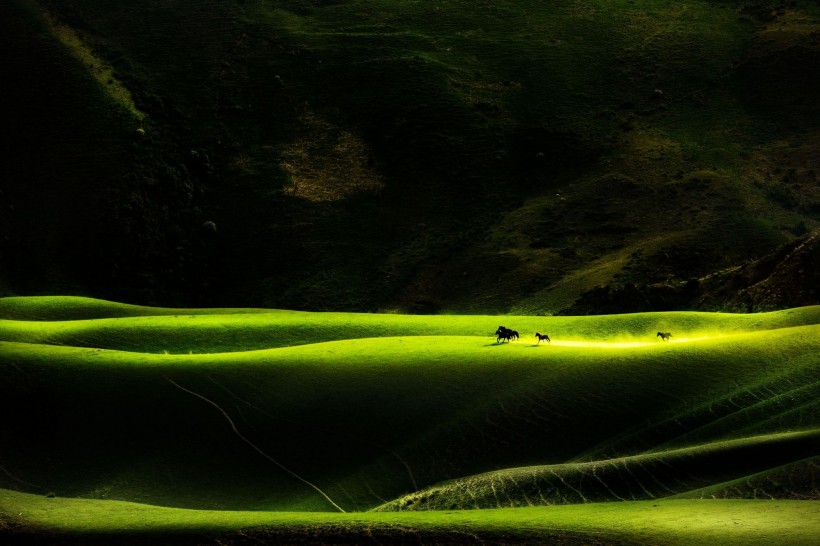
pixel 457 157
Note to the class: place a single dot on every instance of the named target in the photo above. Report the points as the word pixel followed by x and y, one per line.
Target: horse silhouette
pixel 542 337
pixel 505 334
pixel 664 335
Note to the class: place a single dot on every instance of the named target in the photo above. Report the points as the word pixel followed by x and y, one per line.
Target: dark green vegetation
pixel 462 156
pixel 505 157
pixel 578 441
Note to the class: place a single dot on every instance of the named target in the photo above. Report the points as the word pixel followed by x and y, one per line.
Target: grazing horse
pixel 505 334
pixel 664 336
pixel 542 337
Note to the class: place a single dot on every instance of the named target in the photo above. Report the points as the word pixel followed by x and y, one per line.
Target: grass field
pixel 477 163
pixel 268 421
pixel 81 521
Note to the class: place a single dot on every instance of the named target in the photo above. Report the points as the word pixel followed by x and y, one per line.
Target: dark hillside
pixel 376 155
pixel 58 162
pixel 788 276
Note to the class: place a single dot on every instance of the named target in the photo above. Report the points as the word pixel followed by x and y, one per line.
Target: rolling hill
pixel 319 211
pixel 272 420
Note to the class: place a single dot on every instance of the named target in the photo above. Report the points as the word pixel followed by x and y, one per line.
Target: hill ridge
pixel 621 479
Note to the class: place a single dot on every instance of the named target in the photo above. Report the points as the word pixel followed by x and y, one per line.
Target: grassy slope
pixel 608 414
pixel 84 322
pixel 372 418
pixel 392 155
pixel 797 481
pixel 646 476
pixel 53 308
pixel 83 521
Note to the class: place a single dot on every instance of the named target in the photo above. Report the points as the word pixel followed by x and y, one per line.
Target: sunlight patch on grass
pixel 53 320
pixel 633 343
pixel 661 522
pixel 604 344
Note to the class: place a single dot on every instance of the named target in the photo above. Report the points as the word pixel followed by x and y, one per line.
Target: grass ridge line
pixel 560 483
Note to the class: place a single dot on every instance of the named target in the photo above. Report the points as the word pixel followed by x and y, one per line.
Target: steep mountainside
pixel 381 155
pixel 788 276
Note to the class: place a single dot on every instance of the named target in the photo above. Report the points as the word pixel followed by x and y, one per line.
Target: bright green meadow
pixel 132 423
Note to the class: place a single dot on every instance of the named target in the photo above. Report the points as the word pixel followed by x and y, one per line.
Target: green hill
pixel 321 412
pixel 81 521
pixel 647 476
pixel 501 157
pixel 85 322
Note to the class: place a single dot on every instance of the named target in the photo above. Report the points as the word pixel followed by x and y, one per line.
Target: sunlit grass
pixel 685 522
pixel 159 330
pixel 632 344
pixel 588 481
pixel 372 407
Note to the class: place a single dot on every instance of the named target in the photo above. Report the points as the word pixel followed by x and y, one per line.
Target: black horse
pixel 664 336
pixel 505 334
pixel 542 337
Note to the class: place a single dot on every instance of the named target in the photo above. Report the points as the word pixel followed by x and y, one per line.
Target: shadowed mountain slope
pixel 788 276
pixel 370 155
